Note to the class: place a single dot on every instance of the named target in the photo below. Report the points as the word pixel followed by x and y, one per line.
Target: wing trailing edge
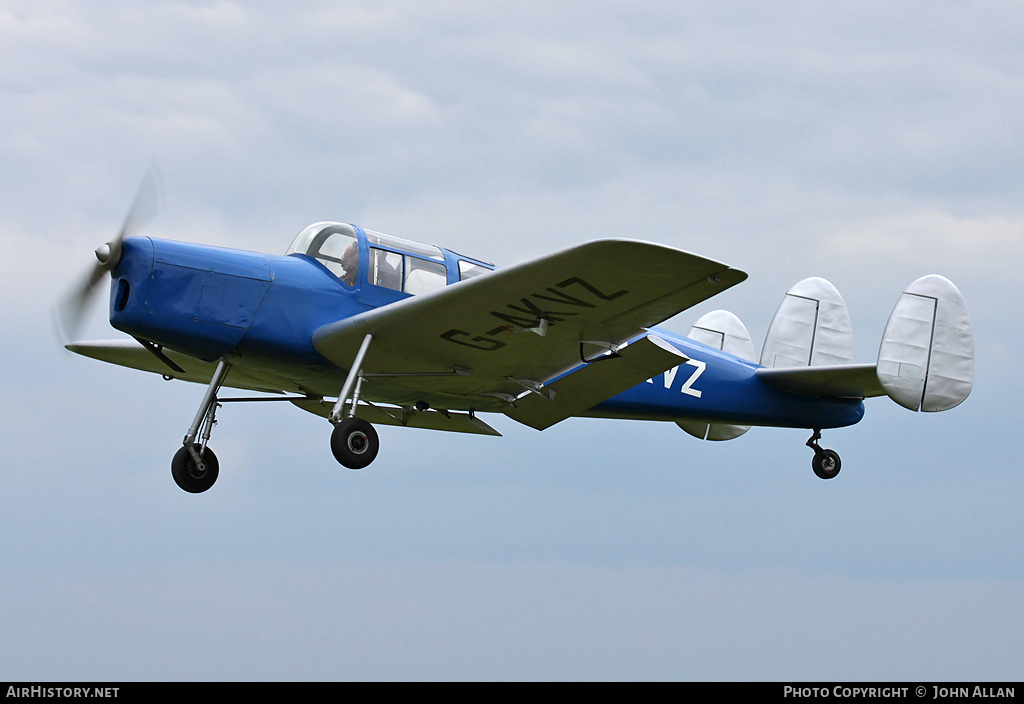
pixel 448 421
pixel 588 385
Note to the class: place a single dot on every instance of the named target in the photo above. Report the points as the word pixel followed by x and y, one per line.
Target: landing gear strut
pixel 195 467
pixel 825 463
pixel 354 441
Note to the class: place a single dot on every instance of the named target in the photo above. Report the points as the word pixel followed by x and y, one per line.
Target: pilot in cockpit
pixel 350 262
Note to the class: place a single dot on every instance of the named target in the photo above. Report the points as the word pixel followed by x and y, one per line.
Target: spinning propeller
pixel 143 208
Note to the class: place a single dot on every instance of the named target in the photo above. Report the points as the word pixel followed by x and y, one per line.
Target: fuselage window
pixel 400 272
pixel 423 276
pixel 386 269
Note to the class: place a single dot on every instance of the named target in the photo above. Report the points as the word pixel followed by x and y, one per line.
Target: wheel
pixel 354 443
pixel 190 477
pixel 826 464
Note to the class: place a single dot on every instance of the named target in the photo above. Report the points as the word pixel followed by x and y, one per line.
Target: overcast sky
pixel 866 142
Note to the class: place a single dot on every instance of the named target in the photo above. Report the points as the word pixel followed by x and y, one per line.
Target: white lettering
pixel 670 376
pixel 687 387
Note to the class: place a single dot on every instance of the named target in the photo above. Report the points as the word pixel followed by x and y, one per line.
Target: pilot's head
pixel 350 259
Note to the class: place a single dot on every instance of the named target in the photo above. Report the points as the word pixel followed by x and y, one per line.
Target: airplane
pixel 364 329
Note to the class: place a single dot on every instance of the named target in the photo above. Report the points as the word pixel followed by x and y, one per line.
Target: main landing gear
pixel 825 463
pixel 354 441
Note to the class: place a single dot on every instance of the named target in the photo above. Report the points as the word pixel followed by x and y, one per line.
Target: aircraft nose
pixel 129 279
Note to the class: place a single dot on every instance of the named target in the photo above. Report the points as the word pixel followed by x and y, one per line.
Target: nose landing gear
pixel 826 463
pixel 194 466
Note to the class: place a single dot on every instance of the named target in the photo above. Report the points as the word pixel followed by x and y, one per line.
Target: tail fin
pixel 926 359
pixel 723 331
pixel 811 328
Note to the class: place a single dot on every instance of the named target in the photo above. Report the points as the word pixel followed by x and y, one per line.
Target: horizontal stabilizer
pixel 811 328
pixel 589 385
pixel 926 359
pixel 723 331
pixel 840 381
pixel 407 417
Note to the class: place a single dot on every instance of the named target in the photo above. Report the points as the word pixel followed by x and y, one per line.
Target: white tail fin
pixel 811 328
pixel 926 359
pixel 723 331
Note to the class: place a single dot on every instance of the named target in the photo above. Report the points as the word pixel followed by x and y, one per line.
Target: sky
pixel 867 142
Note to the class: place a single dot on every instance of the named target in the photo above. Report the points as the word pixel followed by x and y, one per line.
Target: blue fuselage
pixel 262 310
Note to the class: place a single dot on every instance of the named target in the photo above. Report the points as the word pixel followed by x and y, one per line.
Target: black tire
pixel 826 464
pixel 187 475
pixel 354 443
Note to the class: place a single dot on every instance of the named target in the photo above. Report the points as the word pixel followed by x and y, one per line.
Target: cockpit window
pixel 393 263
pixel 334 246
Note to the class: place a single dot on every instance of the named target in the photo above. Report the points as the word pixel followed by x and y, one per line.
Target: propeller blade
pixel 144 208
pixel 69 312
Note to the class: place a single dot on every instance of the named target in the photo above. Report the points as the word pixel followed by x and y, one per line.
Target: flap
pixel 407 417
pixel 589 385
pixel 527 321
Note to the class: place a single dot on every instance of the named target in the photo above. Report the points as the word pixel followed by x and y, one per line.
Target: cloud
pixel 990 246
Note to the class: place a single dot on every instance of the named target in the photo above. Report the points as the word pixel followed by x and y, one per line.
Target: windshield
pixel 335 246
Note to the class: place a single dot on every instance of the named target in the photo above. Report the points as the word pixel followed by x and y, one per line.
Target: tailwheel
pixel 354 443
pixel 825 463
pixel 194 477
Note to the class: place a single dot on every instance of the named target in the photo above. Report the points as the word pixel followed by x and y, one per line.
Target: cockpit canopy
pixel 389 262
